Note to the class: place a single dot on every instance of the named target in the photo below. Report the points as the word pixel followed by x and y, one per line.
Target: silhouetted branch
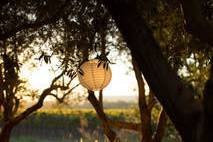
pixel 1 87
pixel 196 22
pixel 56 78
pixel 152 101
pixel 161 125
pixel 34 25
pixel 61 99
pixel 107 130
pixel 39 103
pixel 101 99
pixel 145 114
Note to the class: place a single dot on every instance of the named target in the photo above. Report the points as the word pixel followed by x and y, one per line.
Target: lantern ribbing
pixel 94 77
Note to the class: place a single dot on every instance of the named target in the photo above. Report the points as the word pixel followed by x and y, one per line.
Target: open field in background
pixel 79 125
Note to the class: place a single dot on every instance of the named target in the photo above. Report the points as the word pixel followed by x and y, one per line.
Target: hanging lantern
pixel 94 75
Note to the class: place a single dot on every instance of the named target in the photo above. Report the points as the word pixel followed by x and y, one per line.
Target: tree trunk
pixel 208 108
pixel 101 99
pixel 177 100
pixel 6 132
pixel 145 114
pixel 159 132
pixel 10 124
pixel 196 23
pixel 111 135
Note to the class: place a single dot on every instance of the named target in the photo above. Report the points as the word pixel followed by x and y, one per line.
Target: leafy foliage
pixel 74 30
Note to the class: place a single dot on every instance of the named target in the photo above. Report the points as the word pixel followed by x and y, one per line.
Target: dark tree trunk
pixel 196 23
pixel 6 132
pixel 111 135
pixel 208 108
pixel 159 132
pixel 177 100
pixel 101 99
pixel 145 114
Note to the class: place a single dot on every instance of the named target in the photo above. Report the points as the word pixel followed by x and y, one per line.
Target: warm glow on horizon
pixel 123 82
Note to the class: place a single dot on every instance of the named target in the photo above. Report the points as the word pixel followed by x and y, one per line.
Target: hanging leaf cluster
pixel 71 73
pixel 104 60
pixel 80 71
pixel 105 64
pixel 45 57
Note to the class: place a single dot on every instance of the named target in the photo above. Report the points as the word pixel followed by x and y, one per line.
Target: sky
pixel 123 82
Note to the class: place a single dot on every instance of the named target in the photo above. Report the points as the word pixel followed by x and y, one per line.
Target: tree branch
pixel 152 101
pixel 161 125
pixel 141 84
pixel 107 130
pixel 61 99
pixel 1 87
pixel 56 78
pixel 145 114
pixel 101 99
pixel 39 103
pixel 33 25
pixel 118 124
pixel 196 24
pixel 31 109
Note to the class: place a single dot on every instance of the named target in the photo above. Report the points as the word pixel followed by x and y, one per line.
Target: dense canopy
pixel 170 40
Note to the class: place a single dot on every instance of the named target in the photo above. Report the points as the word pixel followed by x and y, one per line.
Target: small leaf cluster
pixel 80 71
pixel 104 60
pixel 45 57
pixel 71 73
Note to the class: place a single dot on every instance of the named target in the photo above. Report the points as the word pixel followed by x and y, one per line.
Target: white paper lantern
pixel 94 78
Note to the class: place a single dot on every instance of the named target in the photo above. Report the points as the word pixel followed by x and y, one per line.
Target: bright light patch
pixel 41 78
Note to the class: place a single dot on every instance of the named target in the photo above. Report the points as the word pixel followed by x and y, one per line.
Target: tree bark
pixel 101 99
pixel 196 24
pixel 145 114
pixel 111 135
pixel 208 108
pixel 178 101
pixel 159 132
pixel 6 132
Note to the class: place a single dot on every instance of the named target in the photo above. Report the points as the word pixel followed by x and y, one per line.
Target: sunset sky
pixel 123 81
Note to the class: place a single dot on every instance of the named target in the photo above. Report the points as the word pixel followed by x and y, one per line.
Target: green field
pixel 81 125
